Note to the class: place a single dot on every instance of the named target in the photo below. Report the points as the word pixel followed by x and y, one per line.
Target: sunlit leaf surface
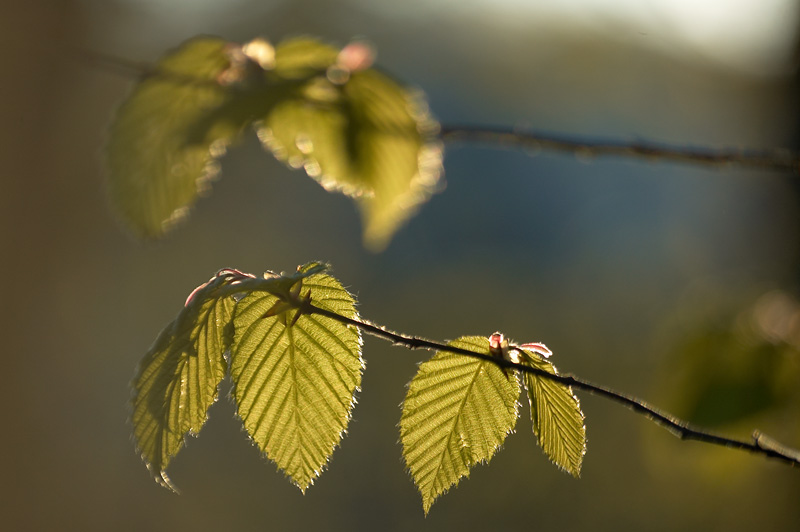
pixel 556 415
pixel 178 379
pixel 303 57
pixel 166 136
pixel 359 133
pixel 457 413
pixel 295 383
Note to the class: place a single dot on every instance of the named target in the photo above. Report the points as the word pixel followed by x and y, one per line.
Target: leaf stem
pixel 760 444
pixel 777 160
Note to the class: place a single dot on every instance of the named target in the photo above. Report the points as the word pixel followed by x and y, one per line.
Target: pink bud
pixel 496 341
pixel 356 56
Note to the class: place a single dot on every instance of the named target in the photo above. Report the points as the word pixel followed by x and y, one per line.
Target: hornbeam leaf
pixel 457 413
pixel 313 136
pixel 295 381
pixel 302 57
pixel 178 379
pixel 395 152
pixel 359 133
pixel 166 137
pixel 558 421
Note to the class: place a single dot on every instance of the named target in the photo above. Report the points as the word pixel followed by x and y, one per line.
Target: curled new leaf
pixel 295 376
pixel 457 413
pixel 178 378
pixel 356 132
pixel 556 415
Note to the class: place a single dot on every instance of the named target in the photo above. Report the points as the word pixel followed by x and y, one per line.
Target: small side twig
pixel 777 160
pixel 760 444
pixel 120 65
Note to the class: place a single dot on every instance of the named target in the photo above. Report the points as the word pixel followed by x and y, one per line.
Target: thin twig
pixel 120 65
pixel 777 160
pixel 143 70
pixel 760 444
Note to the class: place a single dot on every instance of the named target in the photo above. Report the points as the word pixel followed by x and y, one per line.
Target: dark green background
pixel 612 263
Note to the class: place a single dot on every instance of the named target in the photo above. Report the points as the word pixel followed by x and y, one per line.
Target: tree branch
pixel 776 160
pixel 760 444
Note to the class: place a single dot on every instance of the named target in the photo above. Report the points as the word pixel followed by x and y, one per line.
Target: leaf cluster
pixel 292 347
pixel 350 127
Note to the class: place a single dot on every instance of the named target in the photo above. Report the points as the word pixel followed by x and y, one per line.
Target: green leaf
pixel 178 379
pixel 359 133
pixel 167 135
pixel 396 154
pixel 457 413
pixel 295 382
pixel 303 57
pixel 556 415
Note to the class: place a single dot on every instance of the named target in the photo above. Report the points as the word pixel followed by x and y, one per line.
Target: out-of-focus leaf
pixel 457 412
pixel 178 378
pixel 163 144
pixel 303 57
pixel 556 415
pixel 313 137
pixel 724 373
pixel 295 381
pixel 359 133
pixel 392 135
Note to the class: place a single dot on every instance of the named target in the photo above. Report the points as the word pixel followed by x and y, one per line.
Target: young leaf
pixel 178 379
pixel 457 413
pixel 394 151
pixel 356 132
pixel 556 415
pixel 162 146
pixel 302 58
pixel 295 377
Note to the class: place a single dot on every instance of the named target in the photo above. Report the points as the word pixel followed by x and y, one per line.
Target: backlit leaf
pixel 295 381
pixel 359 133
pixel 391 134
pixel 302 57
pixel 457 412
pixel 556 415
pixel 178 378
pixel 167 135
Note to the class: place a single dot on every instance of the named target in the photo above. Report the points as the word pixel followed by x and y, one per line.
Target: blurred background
pixel 674 283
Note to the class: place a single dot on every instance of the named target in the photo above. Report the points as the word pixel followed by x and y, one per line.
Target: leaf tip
pixel 162 479
pixel 302 486
pixel 313 268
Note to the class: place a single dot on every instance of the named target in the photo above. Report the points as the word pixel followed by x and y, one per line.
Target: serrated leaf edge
pixel 531 358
